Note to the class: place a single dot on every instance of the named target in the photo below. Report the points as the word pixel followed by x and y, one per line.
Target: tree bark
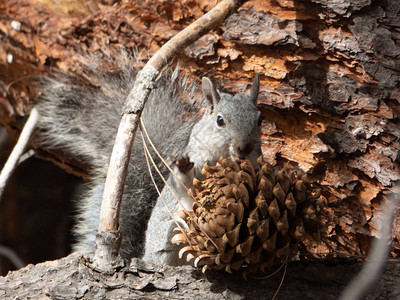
pixel 329 88
pixel 73 278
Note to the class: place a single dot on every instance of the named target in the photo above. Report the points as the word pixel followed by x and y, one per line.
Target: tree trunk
pixel 73 278
pixel 329 89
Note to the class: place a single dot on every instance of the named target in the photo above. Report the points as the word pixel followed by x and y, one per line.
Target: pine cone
pixel 247 219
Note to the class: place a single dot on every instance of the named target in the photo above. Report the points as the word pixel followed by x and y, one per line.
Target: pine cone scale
pixel 247 218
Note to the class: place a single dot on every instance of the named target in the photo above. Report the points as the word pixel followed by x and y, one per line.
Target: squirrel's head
pixel 233 122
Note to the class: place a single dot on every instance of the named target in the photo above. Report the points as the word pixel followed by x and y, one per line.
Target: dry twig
pixel 18 150
pixel 373 267
pixel 108 239
pixel 12 256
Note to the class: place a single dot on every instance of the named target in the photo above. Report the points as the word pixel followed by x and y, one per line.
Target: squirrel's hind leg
pixel 158 247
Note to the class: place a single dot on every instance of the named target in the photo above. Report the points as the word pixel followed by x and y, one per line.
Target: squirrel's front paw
pixel 184 164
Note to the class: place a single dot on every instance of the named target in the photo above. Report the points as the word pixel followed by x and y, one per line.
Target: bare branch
pixel 377 258
pixel 107 241
pixel 18 150
pixel 12 256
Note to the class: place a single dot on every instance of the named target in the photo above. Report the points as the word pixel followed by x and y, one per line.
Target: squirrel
pixel 80 114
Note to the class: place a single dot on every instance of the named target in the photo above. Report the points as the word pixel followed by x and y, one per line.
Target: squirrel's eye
pixel 259 120
pixel 220 121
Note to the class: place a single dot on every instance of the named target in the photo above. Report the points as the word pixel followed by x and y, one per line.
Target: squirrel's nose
pixel 244 150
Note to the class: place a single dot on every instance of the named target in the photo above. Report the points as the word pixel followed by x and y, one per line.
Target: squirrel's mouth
pixel 243 152
pixel 234 154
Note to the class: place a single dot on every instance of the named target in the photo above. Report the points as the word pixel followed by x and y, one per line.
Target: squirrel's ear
pixel 210 92
pixel 253 93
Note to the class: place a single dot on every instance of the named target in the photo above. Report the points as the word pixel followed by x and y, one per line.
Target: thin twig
pixel 28 154
pixel 272 274
pixel 161 158
pixel 12 256
pixel 373 267
pixel 158 170
pixel 165 163
pixel 18 150
pixel 280 284
pixel 167 185
pixel 147 156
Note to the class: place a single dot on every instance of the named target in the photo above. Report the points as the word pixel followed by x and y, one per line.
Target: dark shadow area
pixel 305 274
pixel 35 211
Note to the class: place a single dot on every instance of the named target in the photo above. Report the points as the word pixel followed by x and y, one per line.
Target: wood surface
pixel 329 85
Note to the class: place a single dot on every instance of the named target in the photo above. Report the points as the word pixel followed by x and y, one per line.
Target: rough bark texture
pixel 73 277
pixel 329 85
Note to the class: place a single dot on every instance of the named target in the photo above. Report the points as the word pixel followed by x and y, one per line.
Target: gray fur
pixel 82 118
pixel 158 248
pixel 239 136
pixel 81 114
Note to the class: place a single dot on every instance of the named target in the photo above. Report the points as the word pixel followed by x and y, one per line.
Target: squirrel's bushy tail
pixel 81 114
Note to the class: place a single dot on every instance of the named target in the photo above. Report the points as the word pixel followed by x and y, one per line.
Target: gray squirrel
pixel 81 114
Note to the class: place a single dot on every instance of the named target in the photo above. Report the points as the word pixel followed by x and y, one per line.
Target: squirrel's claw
pixel 184 164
